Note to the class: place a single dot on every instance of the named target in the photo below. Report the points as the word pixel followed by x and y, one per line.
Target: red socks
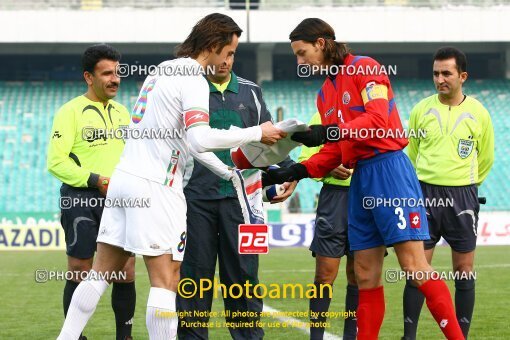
pixel 439 302
pixel 371 307
pixel 370 313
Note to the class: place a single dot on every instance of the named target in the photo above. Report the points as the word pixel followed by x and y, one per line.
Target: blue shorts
pixel 384 203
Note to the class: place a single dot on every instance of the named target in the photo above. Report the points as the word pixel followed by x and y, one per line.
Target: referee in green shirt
pixel 83 157
pixel 451 160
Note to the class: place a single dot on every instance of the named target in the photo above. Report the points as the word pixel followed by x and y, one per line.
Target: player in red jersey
pixel 358 110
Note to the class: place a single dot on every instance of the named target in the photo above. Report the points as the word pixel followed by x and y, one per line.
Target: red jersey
pixel 360 100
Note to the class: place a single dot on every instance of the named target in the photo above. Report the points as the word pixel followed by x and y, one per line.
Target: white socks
pixel 83 304
pixel 161 317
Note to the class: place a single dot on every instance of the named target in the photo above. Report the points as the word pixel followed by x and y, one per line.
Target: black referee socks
pixel 123 304
pixel 464 303
pixel 413 302
pixel 317 320
pixel 68 294
pixel 351 305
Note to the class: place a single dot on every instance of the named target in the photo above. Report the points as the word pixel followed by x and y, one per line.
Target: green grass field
pixel 31 310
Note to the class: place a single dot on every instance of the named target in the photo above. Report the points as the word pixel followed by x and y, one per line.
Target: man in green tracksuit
pixel 214 212
pixel 82 153
pixel 330 243
pixel 451 160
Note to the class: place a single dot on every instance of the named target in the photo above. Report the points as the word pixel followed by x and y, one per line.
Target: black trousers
pixel 213 234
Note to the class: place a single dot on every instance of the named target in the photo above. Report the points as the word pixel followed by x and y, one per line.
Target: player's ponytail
pixel 214 31
pixel 311 29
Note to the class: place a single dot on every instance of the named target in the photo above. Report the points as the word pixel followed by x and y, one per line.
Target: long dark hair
pixel 213 31
pixel 311 29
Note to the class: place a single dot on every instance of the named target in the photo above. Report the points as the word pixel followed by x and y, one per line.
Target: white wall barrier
pixel 170 25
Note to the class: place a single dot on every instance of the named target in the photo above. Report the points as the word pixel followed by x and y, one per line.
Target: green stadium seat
pixel 27 109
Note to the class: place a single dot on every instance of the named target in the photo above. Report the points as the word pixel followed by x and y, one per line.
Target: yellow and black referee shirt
pixel 84 142
pixel 458 146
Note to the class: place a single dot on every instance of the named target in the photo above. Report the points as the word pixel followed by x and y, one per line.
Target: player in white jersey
pixel 176 99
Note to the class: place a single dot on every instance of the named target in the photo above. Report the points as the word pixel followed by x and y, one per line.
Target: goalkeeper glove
pixel 281 175
pixel 316 135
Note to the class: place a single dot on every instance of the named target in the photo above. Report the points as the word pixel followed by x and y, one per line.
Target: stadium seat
pixel 27 110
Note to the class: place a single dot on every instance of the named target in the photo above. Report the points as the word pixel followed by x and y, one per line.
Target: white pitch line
pixel 289 320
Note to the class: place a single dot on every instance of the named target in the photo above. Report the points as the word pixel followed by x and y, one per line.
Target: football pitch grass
pixel 31 310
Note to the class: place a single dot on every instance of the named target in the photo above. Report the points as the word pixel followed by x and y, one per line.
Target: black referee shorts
pixel 330 235
pixel 80 222
pixel 457 223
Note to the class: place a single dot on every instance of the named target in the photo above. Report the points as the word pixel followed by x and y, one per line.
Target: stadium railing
pixel 234 4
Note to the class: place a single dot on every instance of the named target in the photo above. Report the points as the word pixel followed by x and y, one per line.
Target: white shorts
pixel 155 230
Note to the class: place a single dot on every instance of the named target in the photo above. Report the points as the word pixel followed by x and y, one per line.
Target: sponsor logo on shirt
pixel 414 217
pixel 329 112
